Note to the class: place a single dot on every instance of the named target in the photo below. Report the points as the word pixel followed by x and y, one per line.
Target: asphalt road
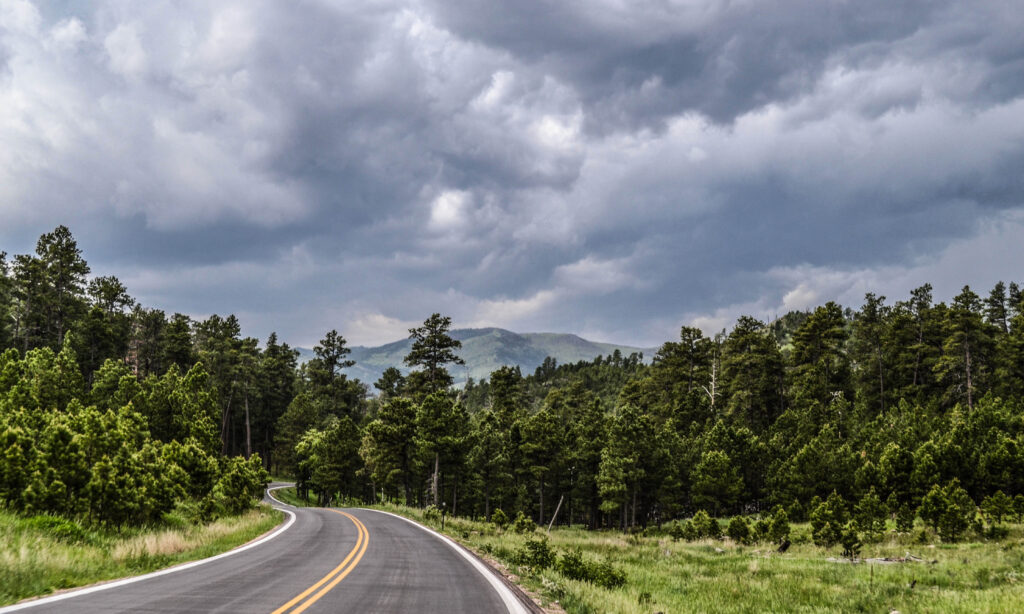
pixel 326 560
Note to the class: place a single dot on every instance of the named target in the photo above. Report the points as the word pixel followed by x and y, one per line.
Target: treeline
pixel 915 403
pixel 107 412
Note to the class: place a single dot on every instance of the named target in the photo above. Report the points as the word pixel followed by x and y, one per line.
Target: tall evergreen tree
pixel 432 349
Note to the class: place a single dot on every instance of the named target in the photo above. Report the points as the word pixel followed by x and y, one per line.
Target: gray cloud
pixel 598 168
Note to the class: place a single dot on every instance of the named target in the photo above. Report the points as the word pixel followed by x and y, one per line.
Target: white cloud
pixel 376 329
pixel 125 52
pixel 449 210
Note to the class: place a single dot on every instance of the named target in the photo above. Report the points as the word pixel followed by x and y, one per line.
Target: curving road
pixel 321 560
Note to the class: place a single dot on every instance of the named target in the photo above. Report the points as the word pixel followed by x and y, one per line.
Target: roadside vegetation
pixel 610 572
pixel 843 423
pixel 43 554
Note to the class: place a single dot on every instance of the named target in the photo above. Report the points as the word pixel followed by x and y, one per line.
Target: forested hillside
pixel 484 350
pixel 111 413
pixel 913 405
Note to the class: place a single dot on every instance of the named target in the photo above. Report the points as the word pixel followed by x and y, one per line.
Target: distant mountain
pixel 485 350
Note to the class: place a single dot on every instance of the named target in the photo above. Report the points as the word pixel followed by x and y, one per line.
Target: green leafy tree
pixel 870 515
pixel 388 446
pixel 965 351
pixel 391 383
pixel 997 506
pixel 716 482
pixel 432 349
pixel 949 510
pixel 752 374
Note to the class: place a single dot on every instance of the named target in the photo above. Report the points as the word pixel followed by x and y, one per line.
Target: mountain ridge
pixel 485 350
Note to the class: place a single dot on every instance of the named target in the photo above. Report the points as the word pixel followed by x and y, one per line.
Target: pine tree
pixel 432 349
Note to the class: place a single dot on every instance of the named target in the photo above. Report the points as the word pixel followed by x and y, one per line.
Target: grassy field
pixel 721 576
pixel 41 554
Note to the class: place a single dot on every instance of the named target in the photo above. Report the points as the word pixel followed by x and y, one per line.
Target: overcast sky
pixel 607 168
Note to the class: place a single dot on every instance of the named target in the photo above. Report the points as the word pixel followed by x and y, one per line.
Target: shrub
pixel 535 554
pixel 778 526
pixel 948 510
pixel 1018 507
pixel 572 565
pixel 522 524
pixel 850 541
pixel 607 575
pixel 797 511
pixel 499 518
pixel 689 532
pixel 827 521
pixel 739 530
pixel 241 484
pixel 58 528
pixel 705 526
pixel 432 513
pixel 870 515
pixel 905 518
pixel 675 531
pixel 996 506
pixel 762 529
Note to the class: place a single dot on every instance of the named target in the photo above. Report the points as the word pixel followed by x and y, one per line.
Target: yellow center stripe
pixel 336 575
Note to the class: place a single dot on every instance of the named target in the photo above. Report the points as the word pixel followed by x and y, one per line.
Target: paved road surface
pixel 327 560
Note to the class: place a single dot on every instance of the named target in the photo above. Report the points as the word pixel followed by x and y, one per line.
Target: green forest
pixel 115 412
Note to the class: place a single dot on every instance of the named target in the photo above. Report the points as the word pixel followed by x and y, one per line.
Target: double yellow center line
pixel 303 600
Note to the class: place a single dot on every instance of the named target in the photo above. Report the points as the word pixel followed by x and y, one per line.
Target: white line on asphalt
pixel 162 572
pixel 507 596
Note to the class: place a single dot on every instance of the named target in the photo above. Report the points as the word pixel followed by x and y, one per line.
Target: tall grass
pixel 41 554
pixel 721 576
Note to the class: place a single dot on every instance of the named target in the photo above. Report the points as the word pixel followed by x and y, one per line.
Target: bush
pixel 827 521
pixel 871 515
pixel 499 518
pixel 762 529
pixel 522 524
pixel 905 518
pixel 572 565
pixel 797 511
pixel 58 528
pixel 675 531
pixel 705 526
pixel 948 510
pixel 850 541
pixel 607 576
pixel 739 530
pixel 241 484
pixel 689 532
pixel 1018 507
pixel 996 506
pixel 432 513
pixel 535 554
pixel 778 527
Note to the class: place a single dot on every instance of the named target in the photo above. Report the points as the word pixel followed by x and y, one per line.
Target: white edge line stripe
pixel 162 572
pixel 507 597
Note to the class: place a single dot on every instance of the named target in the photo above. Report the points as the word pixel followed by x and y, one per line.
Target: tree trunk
pixel 248 432
pixel 632 521
pixel 542 500
pixel 881 382
pixel 967 353
pixel 455 493
pixel 224 422
pixel 433 485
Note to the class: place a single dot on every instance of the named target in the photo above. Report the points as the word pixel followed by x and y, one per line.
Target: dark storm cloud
pixel 614 169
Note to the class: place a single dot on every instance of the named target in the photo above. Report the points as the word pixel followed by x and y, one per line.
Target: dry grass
pixel 34 562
